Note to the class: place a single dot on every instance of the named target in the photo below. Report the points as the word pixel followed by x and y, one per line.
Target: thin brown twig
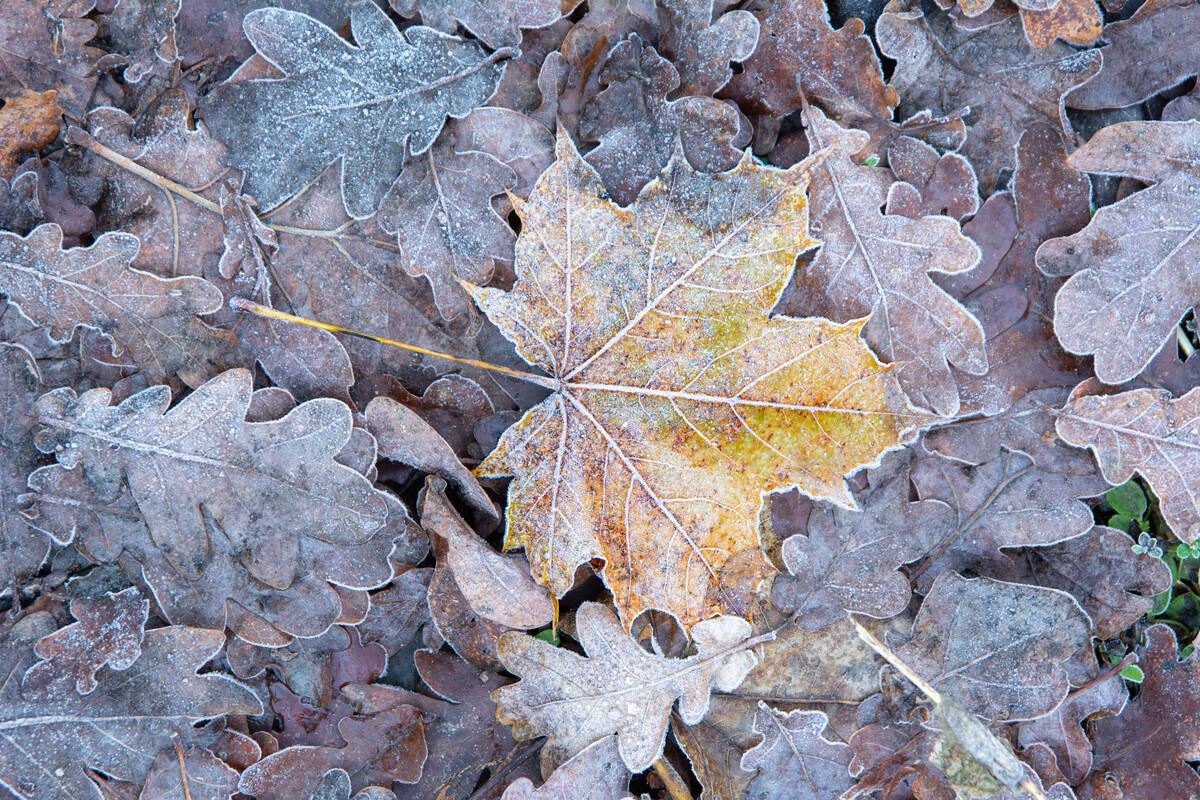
pixel 673 783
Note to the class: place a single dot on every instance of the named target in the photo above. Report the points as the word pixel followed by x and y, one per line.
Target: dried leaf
pixel 108 634
pixel 441 206
pixel 639 130
pixel 714 747
pixel 1130 270
pixel 800 55
pixel 335 785
pixel 794 758
pixel 211 30
pixel 155 320
pixel 193 775
pixel 595 773
pixel 1077 22
pixel 701 47
pixel 1007 84
pixel 45 47
pixel 618 688
pixel 676 395
pixel 398 611
pixel 933 183
pixel 878 264
pixel 23 544
pixel 274 538
pixel 336 100
pixel 1142 752
pixel 997 648
pixel 1147 431
pixel 497 587
pixel 495 24
pixel 54 735
pixel 475 638
pixel 28 123
pixel 144 31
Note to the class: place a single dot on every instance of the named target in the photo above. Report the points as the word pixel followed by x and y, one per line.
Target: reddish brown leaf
pixel 794 758
pixel 595 773
pixel 28 123
pixel 23 545
pixel 701 47
pixel 45 47
pixel 192 775
pixel 143 31
pixel 1076 22
pixel 932 183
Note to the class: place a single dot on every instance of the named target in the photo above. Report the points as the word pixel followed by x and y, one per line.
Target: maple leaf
pixel 701 47
pixel 1145 431
pixel 1007 84
pixel 638 129
pixel 441 208
pixel 794 758
pixel 27 124
pixel 677 400
pixel 45 47
pixel 878 264
pixel 364 105
pixel 23 545
pixel 617 688
pixel 594 773
pixel 496 25
pixel 154 319
pixel 800 55
pixel 997 648
pixel 1131 263
pixel 53 734
pixel 158 485
pixel 1144 750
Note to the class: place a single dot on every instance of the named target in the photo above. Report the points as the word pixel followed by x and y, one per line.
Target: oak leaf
pixel 1131 277
pixel 53 734
pixel 617 688
pixel 701 47
pixel 496 24
pixel 594 773
pixel 143 31
pixel 794 759
pixel 23 544
pixel 160 486
pixel 1145 431
pixel 28 123
pixel 877 264
pixel 1078 22
pixel 155 320
pixel 192 775
pixel 365 105
pixel 677 400
pixel 930 182
pixel 1008 84
pixel 45 47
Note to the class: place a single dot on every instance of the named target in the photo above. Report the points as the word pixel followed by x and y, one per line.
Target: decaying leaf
pixel 700 46
pixel 1078 22
pixel 877 264
pixel 678 402
pixel 794 759
pixel 1143 752
pixel 144 32
pixel 594 773
pixel 53 735
pixel 260 508
pixel 364 104
pixel 27 124
pixel 192 775
pixel 496 24
pixel 997 648
pixel 639 130
pixel 23 547
pixel 155 320
pixel 1145 431
pixel 1131 277
pixel 618 688
pixel 931 182
pixel 1008 84
pixel 108 634
pixel 45 47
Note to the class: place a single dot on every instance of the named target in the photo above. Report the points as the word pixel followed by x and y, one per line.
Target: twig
pixel 183 776
pixel 1130 658
pixel 671 780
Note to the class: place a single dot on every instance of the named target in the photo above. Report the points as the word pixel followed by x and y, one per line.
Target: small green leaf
pixel 1187 651
pixel 1128 500
pixel 548 635
pixel 1133 673
pixel 1120 523
pixel 1161 601
pixel 871 161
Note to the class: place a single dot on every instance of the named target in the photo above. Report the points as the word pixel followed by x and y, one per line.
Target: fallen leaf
pixel 794 758
pixel 714 747
pixel 294 521
pixel 1130 278
pixel 211 30
pixel 1160 32
pixel 144 32
pixel 662 329
pixel 335 785
pixel 192 775
pixel 497 587
pixel 594 773
pixel 929 182
pixel 496 25
pixel 617 688
pixel 155 320
pixel 1008 84
pixel 24 545
pixel 398 611
pixel 1143 752
pixel 28 123
pixel 45 46
pixel 335 100
pixel 1077 22
pixel 878 264
pixel 701 44
pixel 800 55
pixel 996 648
pixel 53 736
pixel 472 636
pixel 108 634
pixel 639 130
pixel 1145 431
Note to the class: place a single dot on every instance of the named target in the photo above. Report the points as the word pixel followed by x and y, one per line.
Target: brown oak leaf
pixel 155 320
pixel 45 47
pixel 1131 277
pixel 1008 84
pixel 1145 431
pixel 794 759
pixel 143 32
pixel 677 400
pixel 496 24
pixel 617 688
pixel 28 123
pixel 1077 22
pixel 877 264
pixel 929 182
pixel 196 774
pixel 701 47
pixel 54 735
pixel 23 546
pixel 594 773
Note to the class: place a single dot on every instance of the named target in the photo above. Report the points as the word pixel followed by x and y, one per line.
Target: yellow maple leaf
pixel 678 400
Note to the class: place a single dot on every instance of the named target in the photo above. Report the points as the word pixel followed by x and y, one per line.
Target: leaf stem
pixel 247 306
pixel 82 138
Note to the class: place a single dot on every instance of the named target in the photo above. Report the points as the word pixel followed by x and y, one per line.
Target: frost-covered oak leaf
pixel 678 401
